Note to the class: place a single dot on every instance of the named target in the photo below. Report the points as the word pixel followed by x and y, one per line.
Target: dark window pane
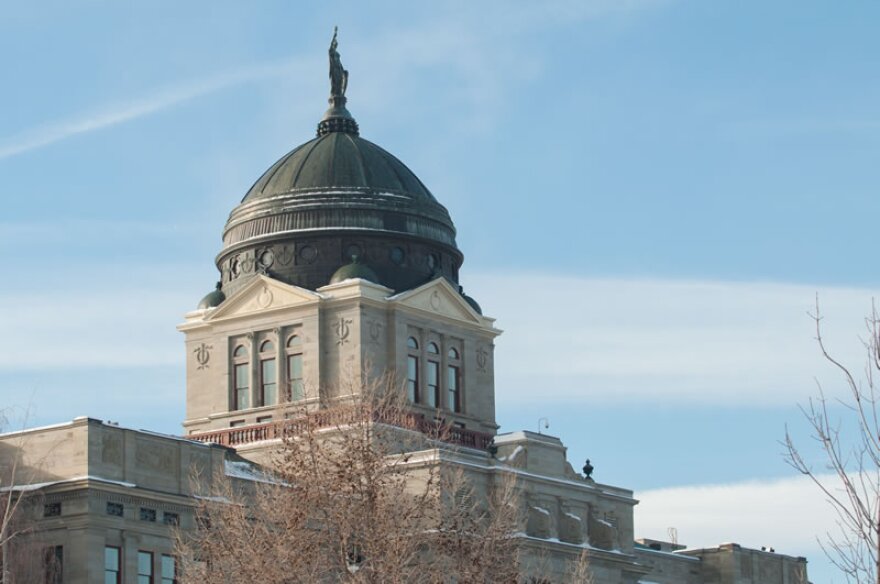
pixel 433 384
pixel 412 343
pixel 169 518
pixel 115 509
pixel 148 514
pixel 295 376
pixel 412 378
pixel 269 384
pixel 453 382
pixel 51 509
pixel 242 386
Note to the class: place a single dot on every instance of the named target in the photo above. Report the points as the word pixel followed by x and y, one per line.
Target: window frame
pixel 163 579
pixel 241 371
pixel 151 575
pixel 118 571
pixel 295 386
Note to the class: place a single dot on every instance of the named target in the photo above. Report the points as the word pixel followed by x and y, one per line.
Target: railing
pixel 337 417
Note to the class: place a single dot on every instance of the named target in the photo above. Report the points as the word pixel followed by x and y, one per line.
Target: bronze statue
pixel 338 75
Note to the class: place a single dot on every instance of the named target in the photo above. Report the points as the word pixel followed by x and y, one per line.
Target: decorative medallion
pixel 482 358
pixel 308 254
pixel 235 266
pixel 267 258
pixel 396 255
pixel 436 301
pixel 247 264
pixel 265 297
pixel 343 330
pixel 375 330
pixel 203 355
pixel 286 256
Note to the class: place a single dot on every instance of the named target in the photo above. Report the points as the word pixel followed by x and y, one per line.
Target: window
pixel 268 385
pixel 453 379
pixel 295 386
pixel 52 510
pixel 169 518
pixel 169 569
pixel 268 375
pixel 433 383
pixel 264 419
pixel 242 385
pixel 115 509
pixel 412 370
pixel 453 383
pixel 412 378
pixel 236 423
pixel 433 349
pixel 111 565
pixel 145 567
pixel 53 565
pixel 148 514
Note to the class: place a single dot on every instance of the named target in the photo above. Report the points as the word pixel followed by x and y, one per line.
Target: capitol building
pixel 339 259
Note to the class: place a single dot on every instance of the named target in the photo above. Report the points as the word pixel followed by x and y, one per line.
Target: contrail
pixel 52 133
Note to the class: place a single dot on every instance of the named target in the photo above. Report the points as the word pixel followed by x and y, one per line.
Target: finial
pixel 337 118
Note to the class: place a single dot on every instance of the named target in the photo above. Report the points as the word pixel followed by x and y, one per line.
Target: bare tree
pixel 362 500
pixel 22 558
pixel 849 476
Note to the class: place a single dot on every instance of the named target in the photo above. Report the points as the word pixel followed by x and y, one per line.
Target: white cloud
pixel 786 514
pixel 112 115
pixel 666 340
pixel 106 327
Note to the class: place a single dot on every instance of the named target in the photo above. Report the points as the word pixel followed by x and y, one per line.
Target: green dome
pixel 354 270
pixel 212 299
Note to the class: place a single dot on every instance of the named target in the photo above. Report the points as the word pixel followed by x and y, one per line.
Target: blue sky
pixel 674 180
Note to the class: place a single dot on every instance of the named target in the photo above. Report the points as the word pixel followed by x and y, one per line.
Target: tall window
pixel 268 377
pixel 169 569
pixel 53 563
pixel 453 380
pixel 433 380
pixel 412 370
pixel 111 565
pixel 241 379
pixel 145 568
pixel 295 385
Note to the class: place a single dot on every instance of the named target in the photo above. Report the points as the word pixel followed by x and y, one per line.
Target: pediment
pixel 263 293
pixel 439 297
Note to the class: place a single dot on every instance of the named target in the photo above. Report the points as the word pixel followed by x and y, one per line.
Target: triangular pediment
pixel 439 297
pixel 261 294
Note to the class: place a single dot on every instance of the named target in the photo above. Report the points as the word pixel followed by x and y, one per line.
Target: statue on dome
pixel 338 75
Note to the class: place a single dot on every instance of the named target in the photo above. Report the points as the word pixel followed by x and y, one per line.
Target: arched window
pixel 295 385
pixel 412 370
pixel 433 375
pixel 268 374
pixel 453 379
pixel 241 379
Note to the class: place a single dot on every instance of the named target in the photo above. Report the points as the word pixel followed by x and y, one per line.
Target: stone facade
pixel 95 488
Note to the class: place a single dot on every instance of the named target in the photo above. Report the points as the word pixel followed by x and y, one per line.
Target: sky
pixel 650 196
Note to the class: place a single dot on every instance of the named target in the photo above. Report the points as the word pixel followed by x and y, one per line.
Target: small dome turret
pixel 354 270
pixel 212 299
